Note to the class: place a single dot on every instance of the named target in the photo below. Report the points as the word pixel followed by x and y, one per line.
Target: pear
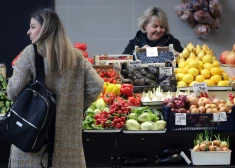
pixel 190 47
pixel 210 52
pixel 205 48
pixel 192 55
pixel 185 53
pixel 201 54
pixel 198 49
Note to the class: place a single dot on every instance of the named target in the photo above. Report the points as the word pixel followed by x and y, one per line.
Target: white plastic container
pixel 211 157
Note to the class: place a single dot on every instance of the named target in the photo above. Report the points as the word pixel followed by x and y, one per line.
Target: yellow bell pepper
pixel 113 89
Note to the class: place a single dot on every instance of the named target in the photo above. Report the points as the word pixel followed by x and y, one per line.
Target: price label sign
pixel 220 117
pixel 180 119
pixel 135 64
pixel 152 52
pixel 199 88
pixel 165 70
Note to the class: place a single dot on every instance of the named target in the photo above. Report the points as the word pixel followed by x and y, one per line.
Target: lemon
pixel 216 71
pixel 185 70
pixel 205 73
pixel 188 78
pixel 216 78
pixel 179 76
pixel 179 70
pixel 225 76
pixel 181 84
pixel 193 64
pixel 207 59
pixel 223 83
pixel 181 65
pixel 191 84
pixel 207 66
pixel 216 64
pixel 209 82
pixel 193 71
pixel 201 63
pixel 199 78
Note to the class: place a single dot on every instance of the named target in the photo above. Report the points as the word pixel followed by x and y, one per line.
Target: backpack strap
pixel 39 65
pixel 40 76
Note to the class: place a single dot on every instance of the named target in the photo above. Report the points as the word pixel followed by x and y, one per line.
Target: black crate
pixel 198 122
pixel 172 87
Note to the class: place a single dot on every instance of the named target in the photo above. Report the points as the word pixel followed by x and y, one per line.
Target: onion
pixel 216 101
pixel 230 58
pixel 192 101
pixel 202 147
pixel 202 109
pixel 195 111
pixel 171 105
pixel 179 104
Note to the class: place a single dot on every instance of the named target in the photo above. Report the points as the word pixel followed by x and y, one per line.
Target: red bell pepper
pixel 127 89
pixel 109 97
pixel 134 100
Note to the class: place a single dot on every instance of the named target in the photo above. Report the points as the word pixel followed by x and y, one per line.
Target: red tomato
pixel 81 46
pixel 91 60
pixel 85 54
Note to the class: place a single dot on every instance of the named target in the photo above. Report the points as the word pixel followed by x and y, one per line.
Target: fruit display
pixel 199 64
pixel 209 142
pixel 162 57
pixel 228 57
pixel 112 59
pixel 144 118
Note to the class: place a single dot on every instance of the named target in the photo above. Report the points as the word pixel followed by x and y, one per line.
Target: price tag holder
pixel 165 70
pixel 200 88
pixel 220 117
pixel 135 64
pixel 152 52
pixel 180 119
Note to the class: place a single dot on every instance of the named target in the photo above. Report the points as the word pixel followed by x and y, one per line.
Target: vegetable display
pixel 210 142
pixel 5 103
pixel 3 82
pixel 144 118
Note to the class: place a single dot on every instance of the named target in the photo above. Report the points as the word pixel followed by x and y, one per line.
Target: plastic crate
pixel 211 158
pixel 198 122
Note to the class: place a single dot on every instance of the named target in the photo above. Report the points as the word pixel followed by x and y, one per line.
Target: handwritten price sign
pixel 199 88
pixel 135 64
pixel 220 117
pixel 180 119
pixel 152 52
pixel 165 70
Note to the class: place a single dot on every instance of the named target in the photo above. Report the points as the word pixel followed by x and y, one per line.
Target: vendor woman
pixel 154 31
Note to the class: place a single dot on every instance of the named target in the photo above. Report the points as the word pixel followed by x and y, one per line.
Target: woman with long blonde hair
pixel 70 76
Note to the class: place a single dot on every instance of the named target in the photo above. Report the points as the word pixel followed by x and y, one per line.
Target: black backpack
pixel 30 122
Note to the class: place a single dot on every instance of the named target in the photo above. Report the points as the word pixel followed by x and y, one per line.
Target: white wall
pixel 107 25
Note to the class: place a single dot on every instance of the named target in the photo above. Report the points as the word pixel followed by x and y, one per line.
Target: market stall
pixel 161 110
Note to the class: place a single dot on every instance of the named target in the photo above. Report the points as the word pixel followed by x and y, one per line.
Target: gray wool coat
pixel 74 90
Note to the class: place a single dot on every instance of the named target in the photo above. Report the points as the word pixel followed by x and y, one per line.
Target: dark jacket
pixel 141 39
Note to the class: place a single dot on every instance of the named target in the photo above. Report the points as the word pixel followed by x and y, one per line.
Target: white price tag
pixel 185 157
pixel 135 64
pixel 165 70
pixel 219 117
pixel 180 119
pixel 199 88
pixel 152 52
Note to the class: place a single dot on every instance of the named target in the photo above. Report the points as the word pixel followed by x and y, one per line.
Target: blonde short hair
pixel 153 12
